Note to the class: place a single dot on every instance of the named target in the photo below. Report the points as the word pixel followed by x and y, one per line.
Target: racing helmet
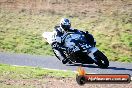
pixel 65 24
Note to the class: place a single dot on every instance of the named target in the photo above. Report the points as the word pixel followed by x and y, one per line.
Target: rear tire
pixel 102 60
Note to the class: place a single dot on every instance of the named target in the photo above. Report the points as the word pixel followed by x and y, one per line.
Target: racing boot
pixel 64 61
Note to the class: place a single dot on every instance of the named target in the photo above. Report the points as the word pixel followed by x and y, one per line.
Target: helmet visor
pixel 66 27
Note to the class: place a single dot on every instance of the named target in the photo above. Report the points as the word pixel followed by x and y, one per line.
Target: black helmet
pixel 65 24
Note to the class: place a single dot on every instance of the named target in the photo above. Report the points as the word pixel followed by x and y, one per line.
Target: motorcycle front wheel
pixel 102 60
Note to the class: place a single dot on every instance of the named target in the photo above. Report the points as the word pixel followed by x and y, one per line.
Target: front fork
pixel 91 52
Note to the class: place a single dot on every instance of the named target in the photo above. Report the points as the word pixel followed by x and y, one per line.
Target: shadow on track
pixel 84 65
pixel 95 66
pixel 116 68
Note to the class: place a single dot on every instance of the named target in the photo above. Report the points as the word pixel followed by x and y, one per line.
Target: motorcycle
pixel 79 50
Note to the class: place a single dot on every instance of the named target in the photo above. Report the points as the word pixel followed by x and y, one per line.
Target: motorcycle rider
pixel 59 32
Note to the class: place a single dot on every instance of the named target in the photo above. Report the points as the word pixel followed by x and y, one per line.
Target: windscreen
pixel 71 39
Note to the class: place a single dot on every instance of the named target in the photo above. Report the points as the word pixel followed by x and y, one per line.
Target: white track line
pixel 55 69
pixel 45 68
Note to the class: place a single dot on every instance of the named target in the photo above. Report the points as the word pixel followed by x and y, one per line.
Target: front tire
pixel 102 60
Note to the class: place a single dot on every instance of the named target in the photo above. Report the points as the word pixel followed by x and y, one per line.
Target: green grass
pixel 28 77
pixel 17 72
pixel 21 32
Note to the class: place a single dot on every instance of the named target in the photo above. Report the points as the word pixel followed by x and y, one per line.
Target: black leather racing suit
pixel 58 46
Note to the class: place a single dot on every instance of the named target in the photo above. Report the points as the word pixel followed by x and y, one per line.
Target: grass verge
pixel 29 77
pixel 18 72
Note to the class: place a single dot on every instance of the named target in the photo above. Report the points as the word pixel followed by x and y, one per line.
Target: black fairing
pixel 80 57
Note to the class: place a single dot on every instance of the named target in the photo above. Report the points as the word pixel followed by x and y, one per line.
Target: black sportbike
pixel 80 51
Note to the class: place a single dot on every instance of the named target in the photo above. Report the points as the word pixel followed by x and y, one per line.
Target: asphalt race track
pixel 53 63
